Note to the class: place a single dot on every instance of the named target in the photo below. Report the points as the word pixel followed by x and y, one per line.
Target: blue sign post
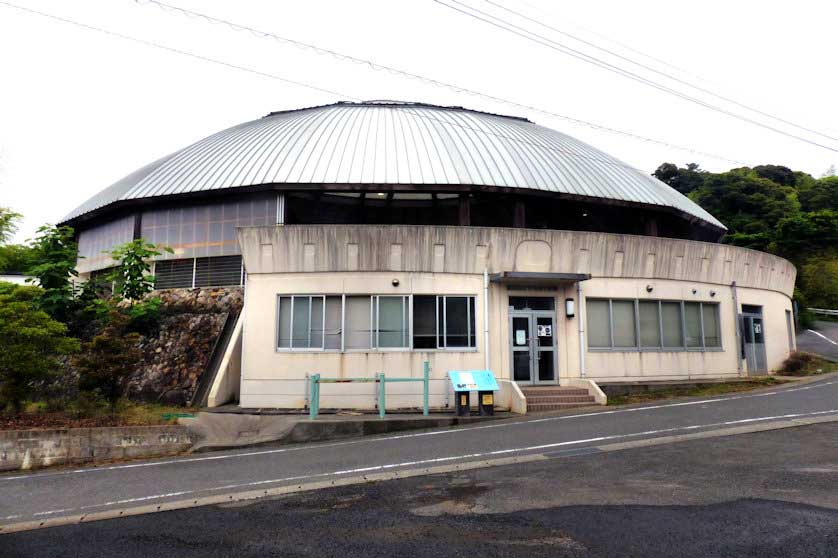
pixel 481 381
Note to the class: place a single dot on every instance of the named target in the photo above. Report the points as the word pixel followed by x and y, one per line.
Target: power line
pixel 177 51
pixel 430 81
pixel 656 71
pixel 544 41
pixel 621 44
pixel 144 42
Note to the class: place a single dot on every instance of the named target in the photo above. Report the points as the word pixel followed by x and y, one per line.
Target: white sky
pixel 79 110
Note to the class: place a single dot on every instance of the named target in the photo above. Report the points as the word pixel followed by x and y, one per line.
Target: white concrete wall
pixel 276 378
pixel 450 260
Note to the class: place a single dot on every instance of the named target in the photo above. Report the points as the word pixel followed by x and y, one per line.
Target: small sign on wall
pixel 545 330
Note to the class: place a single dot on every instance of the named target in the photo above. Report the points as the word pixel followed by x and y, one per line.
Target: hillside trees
pixel 775 209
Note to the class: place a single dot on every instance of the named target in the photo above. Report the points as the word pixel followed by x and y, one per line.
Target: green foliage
pixel 106 361
pixel 775 209
pixel 819 276
pixel 8 224
pixel 133 274
pixel 15 258
pixel 30 342
pixel 684 180
pixel 54 267
pixel 821 194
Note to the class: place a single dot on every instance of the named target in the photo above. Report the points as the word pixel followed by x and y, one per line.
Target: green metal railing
pixel 315 380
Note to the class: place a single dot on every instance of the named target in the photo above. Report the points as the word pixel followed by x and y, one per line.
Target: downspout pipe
pixel 579 319
pixel 736 328
pixel 486 318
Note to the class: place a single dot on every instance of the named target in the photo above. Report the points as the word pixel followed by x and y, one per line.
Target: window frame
pixel 639 347
pixel 407 314
pixel 308 349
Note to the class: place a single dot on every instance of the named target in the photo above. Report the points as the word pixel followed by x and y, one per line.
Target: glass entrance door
pixel 533 346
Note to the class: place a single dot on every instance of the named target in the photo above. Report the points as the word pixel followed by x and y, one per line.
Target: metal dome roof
pixel 392 143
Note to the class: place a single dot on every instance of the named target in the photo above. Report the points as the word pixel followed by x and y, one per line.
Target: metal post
pixel 425 375
pixel 735 328
pixel 486 357
pixel 580 322
pixel 315 396
pixel 381 390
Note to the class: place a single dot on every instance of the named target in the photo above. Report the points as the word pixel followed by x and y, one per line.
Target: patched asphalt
pixel 763 494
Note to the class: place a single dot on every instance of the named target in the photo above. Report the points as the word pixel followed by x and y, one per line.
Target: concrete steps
pixel 555 398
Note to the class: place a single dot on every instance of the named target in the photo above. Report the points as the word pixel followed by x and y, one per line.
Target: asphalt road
pixel 50 494
pixel 822 340
pixel 767 494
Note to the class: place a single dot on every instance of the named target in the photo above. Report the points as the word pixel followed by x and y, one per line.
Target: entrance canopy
pixel 537 279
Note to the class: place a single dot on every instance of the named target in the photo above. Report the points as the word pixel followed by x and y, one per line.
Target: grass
pixel 128 413
pixel 707 390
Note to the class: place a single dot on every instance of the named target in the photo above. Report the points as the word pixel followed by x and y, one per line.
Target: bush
pixel 30 344
pixel 107 360
pixel 796 363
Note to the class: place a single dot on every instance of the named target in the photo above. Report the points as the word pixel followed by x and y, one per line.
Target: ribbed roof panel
pixel 394 143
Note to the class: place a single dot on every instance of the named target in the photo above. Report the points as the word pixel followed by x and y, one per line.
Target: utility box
pixel 481 381
pixel 463 403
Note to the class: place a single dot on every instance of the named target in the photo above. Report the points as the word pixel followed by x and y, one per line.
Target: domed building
pixel 375 237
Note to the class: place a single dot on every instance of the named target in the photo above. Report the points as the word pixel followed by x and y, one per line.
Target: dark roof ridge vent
pixel 395 103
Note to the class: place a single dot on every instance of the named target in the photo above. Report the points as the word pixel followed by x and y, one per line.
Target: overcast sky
pixel 80 109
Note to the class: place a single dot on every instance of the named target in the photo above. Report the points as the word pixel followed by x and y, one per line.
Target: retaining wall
pixel 31 449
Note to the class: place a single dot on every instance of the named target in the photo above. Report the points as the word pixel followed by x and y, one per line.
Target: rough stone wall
pixel 176 355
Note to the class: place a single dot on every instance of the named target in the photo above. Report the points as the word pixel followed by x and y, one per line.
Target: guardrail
pixel 315 380
pixel 824 311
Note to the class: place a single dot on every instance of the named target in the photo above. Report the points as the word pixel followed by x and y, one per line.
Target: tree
pixel 132 275
pixel 819 277
pixel 54 267
pixel 749 205
pixel 822 194
pixel 13 257
pixel 8 224
pixel 685 180
pixel 108 359
pixel 30 342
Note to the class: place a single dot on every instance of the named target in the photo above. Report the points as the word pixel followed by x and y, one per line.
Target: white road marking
pixel 436 460
pixel 413 435
pixel 822 336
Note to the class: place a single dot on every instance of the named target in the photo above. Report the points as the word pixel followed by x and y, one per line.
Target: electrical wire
pixel 178 51
pixel 663 74
pixel 418 114
pixel 430 81
pixel 620 44
pixel 500 23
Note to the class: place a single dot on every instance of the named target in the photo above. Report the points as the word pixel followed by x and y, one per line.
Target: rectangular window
pixel 370 322
pixel 692 324
pixel 599 324
pixel 391 322
pixel 444 322
pixel 358 323
pixel 652 324
pixel 622 330
pixel 671 325
pixel 712 330
pixel 424 322
pixel 303 321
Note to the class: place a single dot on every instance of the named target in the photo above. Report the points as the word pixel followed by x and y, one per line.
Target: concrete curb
pixel 399 474
pixel 302 430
